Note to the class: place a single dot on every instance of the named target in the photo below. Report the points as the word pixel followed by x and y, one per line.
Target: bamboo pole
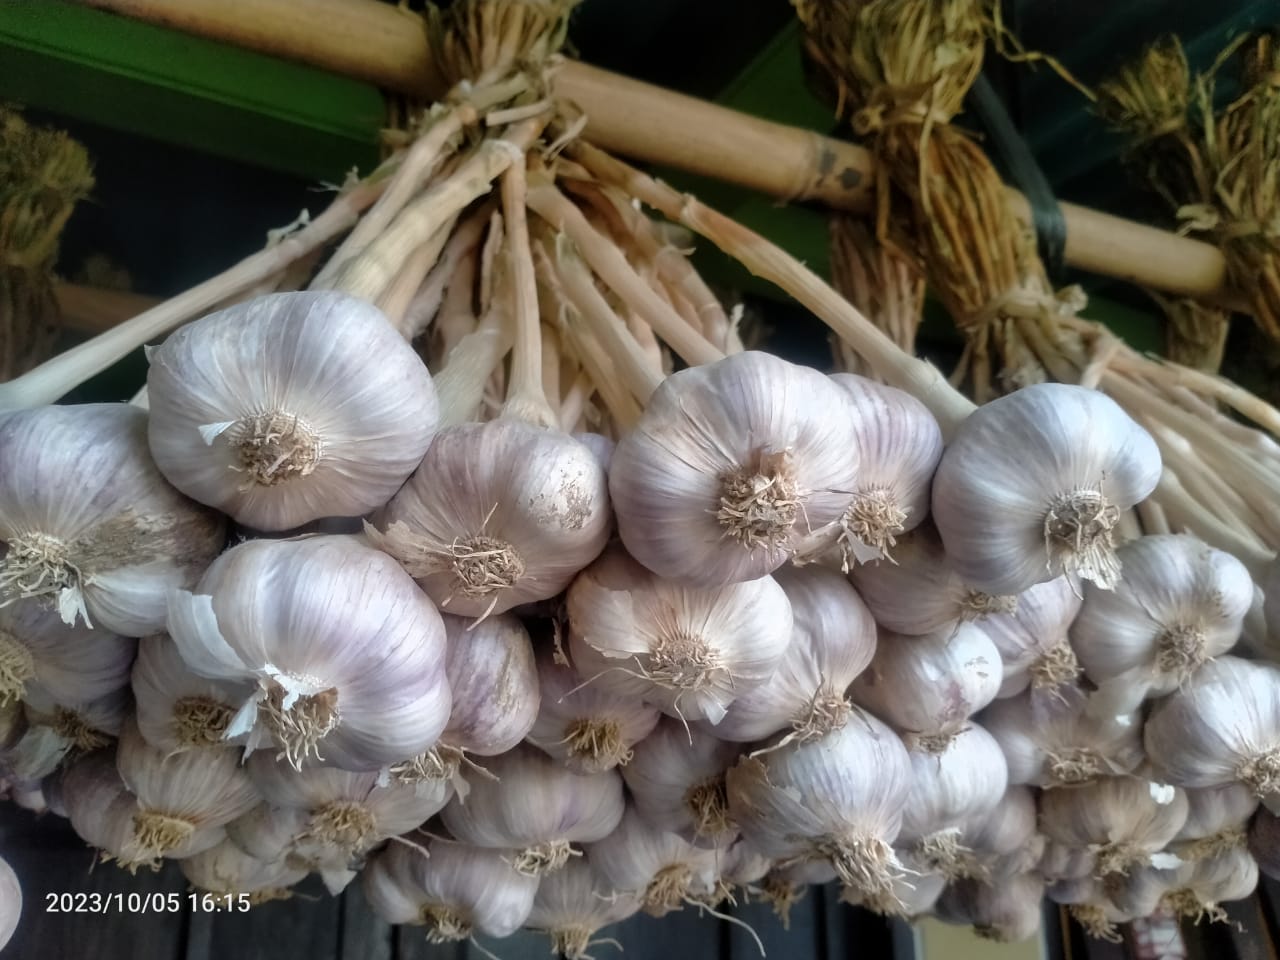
pixel 385 45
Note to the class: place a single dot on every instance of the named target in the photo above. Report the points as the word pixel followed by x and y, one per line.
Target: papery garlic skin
pixel 83 726
pixel 498 514
pixel 832 641
pixel 1033 484
pixel 62 663
pixel 1033 638
pixel 688 650
pixel 1178 603
pixel 743 865
pixel 535 806
pixel 493 680
pixel 1222 726
pixel 177 709
pixel 10 902
pixel 1217 820
pixel 226 870
pixel 584 725
pixel 346 652
pixel 575 903
pixel 730 465
pixel 815 800
pixel 930 686
pixel 269 833
pixel 1005 840
pixel 88 522
pixel 1053 738
pixel 290 407
pixel 1191 890
pixel 676 780
pixel 456 890
pixel 900 444
pixel 1006 912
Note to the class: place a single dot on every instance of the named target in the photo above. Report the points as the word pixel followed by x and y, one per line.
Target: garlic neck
pixel 200 721
pixel 760 501
pixel 308 719
pixel 1078 536
pixel 16 667
pixel 597 744
pixel 275 447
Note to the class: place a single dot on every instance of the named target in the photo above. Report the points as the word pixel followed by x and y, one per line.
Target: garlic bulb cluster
pixel 1178 603
pixel 498 514
pixel 833 639
pixel 573 904
pixel 1033 638
pixel 1033 485
pixel 87 522
pixel 731 464
pixel 689 650
pixel 534 806
pixel 928 687
pixel 289 408
pixel 344 653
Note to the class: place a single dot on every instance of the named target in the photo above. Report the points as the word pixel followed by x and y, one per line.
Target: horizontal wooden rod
pixel 385 45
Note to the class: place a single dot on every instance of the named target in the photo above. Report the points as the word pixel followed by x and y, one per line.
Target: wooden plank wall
pixel 50 858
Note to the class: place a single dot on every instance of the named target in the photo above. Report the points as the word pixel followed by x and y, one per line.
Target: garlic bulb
pixel 346 653
pixel 660 868
pixel 1178 603
pixel 1264 842
pixel 1052 739
pixel 226 870
pixel 676 780
pixel 963 782
pixel 81 726
pixel 688 650
pixel 1034 483
pixel 912 895
pixel 900 444
pixel 1091 907
pixel 1032 639
pixel 10 902
pixel 89 524
pixel 288 408
pixel 730 465
pixel 832 641
pixel 1192 890
pixel 585 725
pixel 1006 912
pixel 929 686
pixel 347 812
pixel 536 807
pixel 1222 726
pixel 497 514
pixel 456 891
pixel 572 905
pixel 742 865
pixel 816 800
pixel 183 793
pixel 67 664
pixel 600 445
pixel 35 754
pixel 918 593
pixel 269 833
pixel 1060 862
pixel 1004 840
pixel 1122 820
pixel 177 709
pixel 1217 820
pixel 1271 603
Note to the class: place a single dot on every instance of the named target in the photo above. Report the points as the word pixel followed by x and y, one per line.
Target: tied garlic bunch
pixel 731 465
pixel 342 651
pixel 689 650
pixel 89 525
pixel 289 408
pixel 1033 485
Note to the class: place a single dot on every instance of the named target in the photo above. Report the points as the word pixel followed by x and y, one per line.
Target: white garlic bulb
pixel 1222 726
pixel 494 682
pixel 1123 821
pixel 455 890
pixel 572 905
pixel 1007 912
pixel 178 709
pixel 1034 483
pixel 1264 842
pixel 270 833
pixel 290 407
pixel 65 664
pixel 688 650
pixel 89 524
pixel 346 653
pixel 832 641
pixel 33 755
pixel 181 794
pixel 1053 739
pixel 918 593
pixel 1033 638
pixel 930 686
pixel 1060 862
pixel 537 808
pixel 585 725
pixel 900 444
pixel 1191 890
pixel 742 865
pixel 1178 603
pixel 498 514
pixel 912 894
pixel 730 465
pixel 1217 820
pixel 816 800
pixel 964 782
pixel 676 780
pixel 83 726
pixel 226 870
pixel 1006 839
pixel 10 902
pixel 664 871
